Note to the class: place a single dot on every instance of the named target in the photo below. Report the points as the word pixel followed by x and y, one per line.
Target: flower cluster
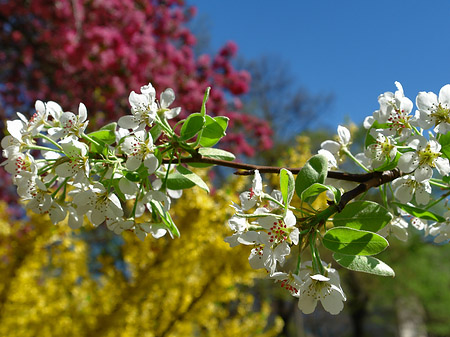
pixel 396 141
pixel 271 230
pixel 398 138
pixel 51 159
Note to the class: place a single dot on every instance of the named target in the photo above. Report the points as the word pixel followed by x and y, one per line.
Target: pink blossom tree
pixel 96 51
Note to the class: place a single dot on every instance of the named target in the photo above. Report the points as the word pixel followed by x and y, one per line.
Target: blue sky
pixel 353 49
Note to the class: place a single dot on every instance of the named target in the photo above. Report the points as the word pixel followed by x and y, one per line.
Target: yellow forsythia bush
pixel 192 286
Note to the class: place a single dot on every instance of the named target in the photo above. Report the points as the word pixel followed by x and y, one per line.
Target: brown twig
pixel 249 169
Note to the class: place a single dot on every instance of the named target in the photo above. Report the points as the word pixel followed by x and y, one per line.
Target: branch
pixel 377 179
pixel 249 169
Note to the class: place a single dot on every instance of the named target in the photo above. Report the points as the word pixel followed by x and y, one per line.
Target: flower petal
pixel 423 172
pixel 128 122
pixel 408 162
pixel 306 303
pixel 333 301
pixel 443 166
pixel 133 163
pixel 151 163
pixel 167 98
pixel 425 100
pixel 331 146
pixel 444 95
pixel 344 135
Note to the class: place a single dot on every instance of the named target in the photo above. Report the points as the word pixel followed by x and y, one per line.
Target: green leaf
pixel 117 190
pixel 310 194
pixel 389 165
pixel 213 131
pixel 365 264
pixel 131 176
pixel 216 153
pixel 110 126
pixel 166 218
pixel 420 213
pixel 444 140
pixel 156 131
pixel 314 171
pixel 193 125
pixel 205 99
pixel 191 176
pixel 106 136
pixel 287 186
pixel 354 242
pixel 364 215
pixel 102 148
pixel 177 181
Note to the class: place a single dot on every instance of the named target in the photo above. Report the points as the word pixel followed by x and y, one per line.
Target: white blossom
pixel 425 157
pixel 119 224
pixel 264 253
pixel 288 281
pixel 37 195
pixel 382 150
pixel 70 125
pixel 389 102
pixel 324 288
pixel 18 163
pixel 98 203
pixel 398 227
pixel 337 149
pixel 407 186
pixel 441 230
pixel 250 198
pixel 143 109
pixel 166 99
pixel 76 163
pixel 281 230
pixel 139 149
pixel 434 111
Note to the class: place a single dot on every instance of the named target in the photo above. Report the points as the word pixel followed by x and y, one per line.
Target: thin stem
pixel 357 162
pixel 42 148
pixel 90 139
pixel 301 210
pixel 51 181
pixel 165 125
pixel 45 169
pixel 438 200
pixel 112 177
pixel 59 187
pixel 299 260
pixel 435 182
pixel 168 168
pixel 270 198
pixel 317 262
pixel 40 135
pixel 133 212
pixel 383 195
